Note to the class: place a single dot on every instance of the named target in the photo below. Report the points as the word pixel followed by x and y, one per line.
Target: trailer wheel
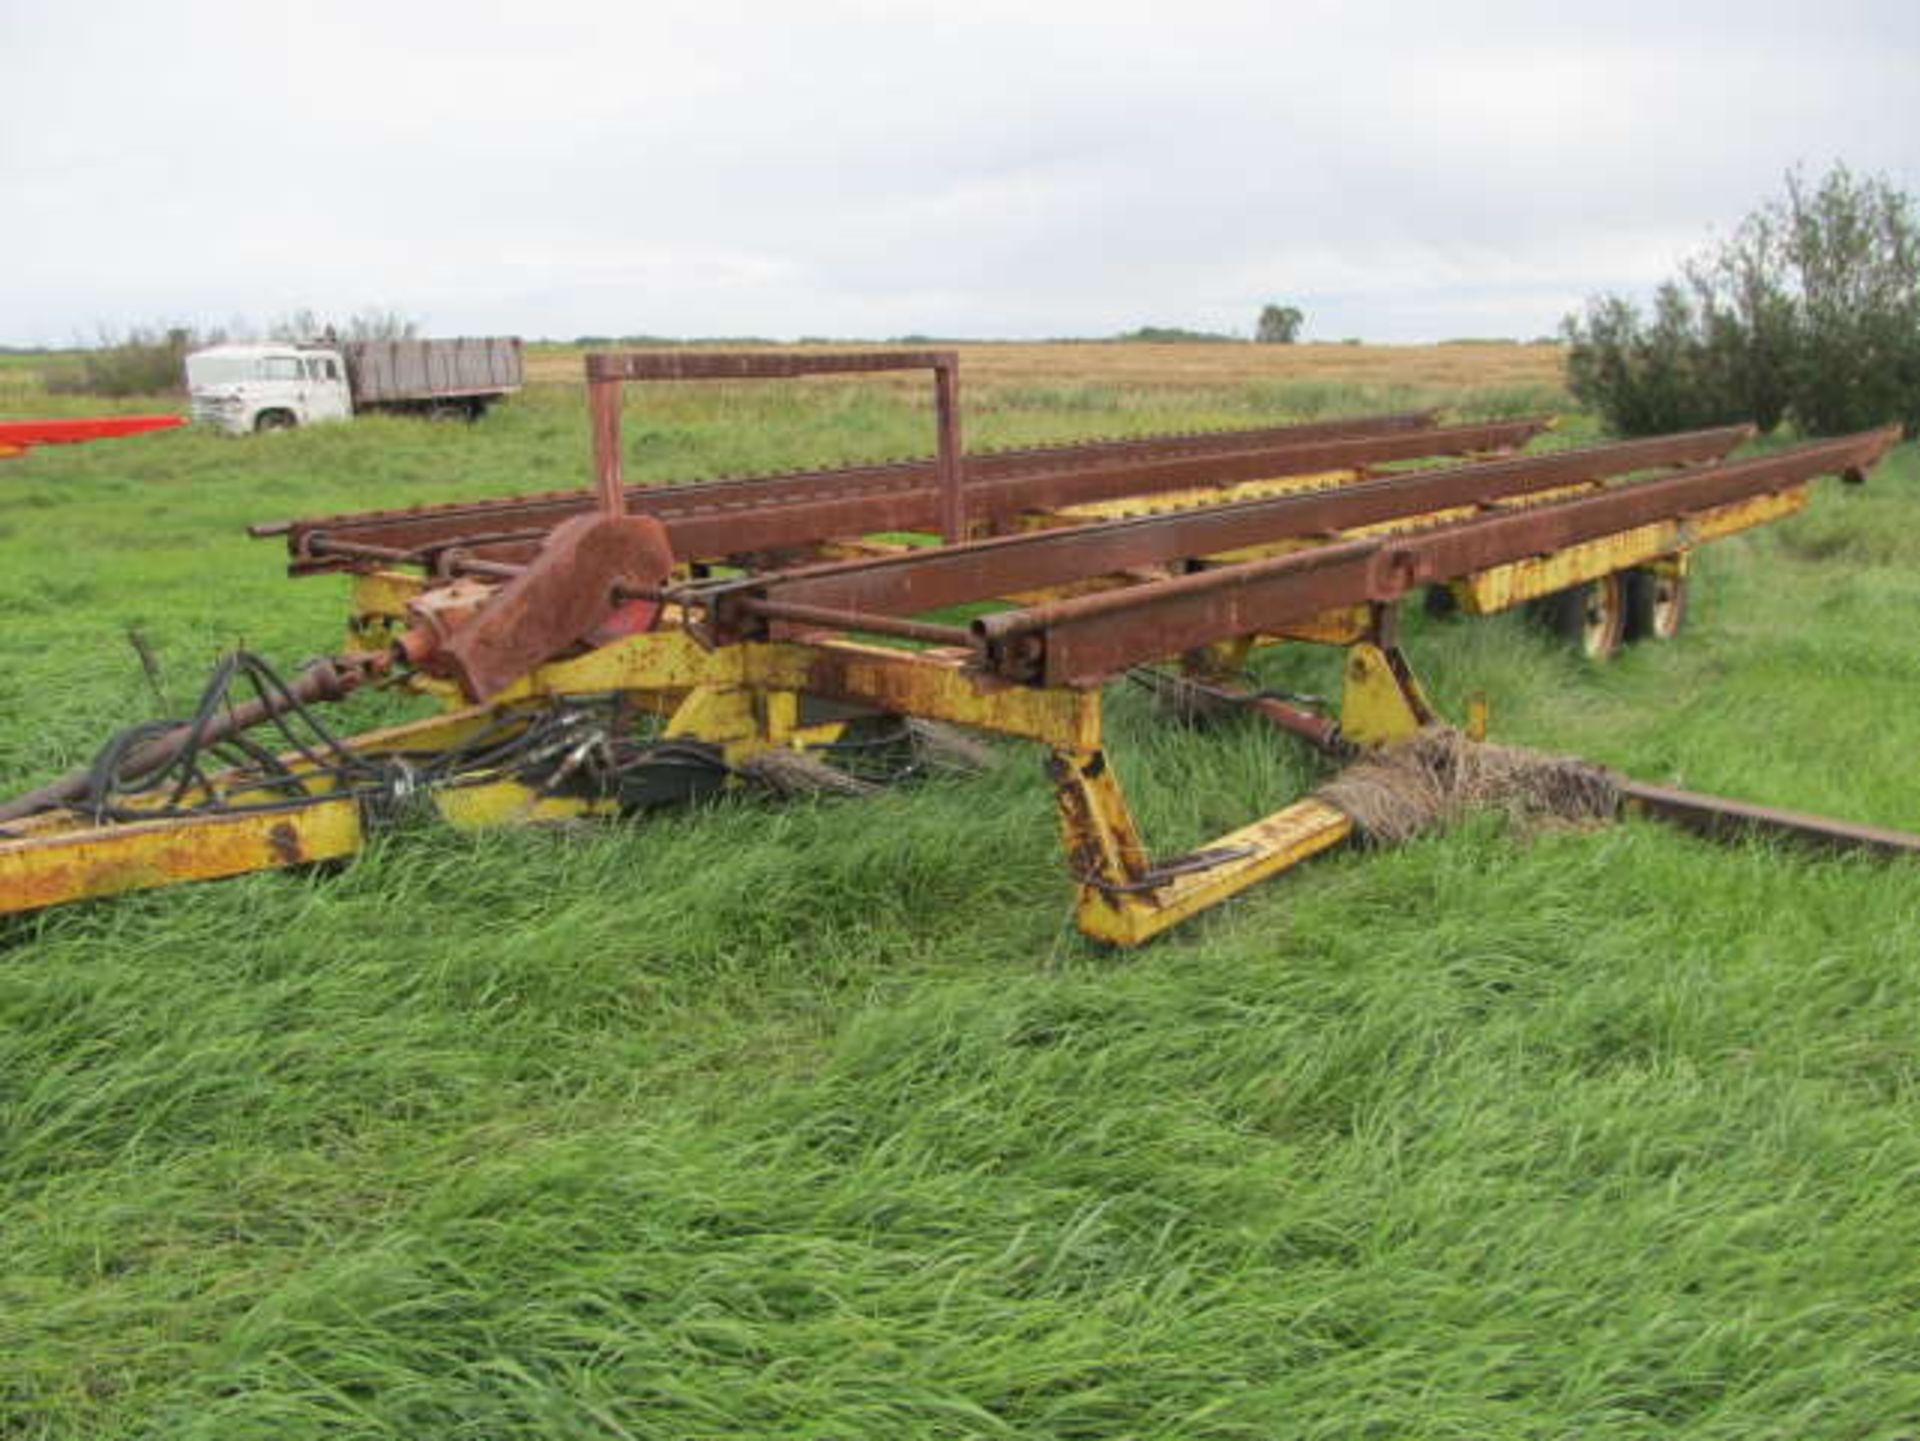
pixel 1593 616
pixel 275 420
pixel 1656 604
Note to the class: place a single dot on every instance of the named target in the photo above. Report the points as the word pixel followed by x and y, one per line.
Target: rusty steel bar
pixel 908 474
pixel 603 406
pixel 1722 819
pixel 454 564
pixel 756 365
pixel 705 534
pixel 440 524
pixel 1083 640
pixel 931 579
pixel 948 456
pixel 904 474
pixel 607 375
pixel 826 617
pixel 608 372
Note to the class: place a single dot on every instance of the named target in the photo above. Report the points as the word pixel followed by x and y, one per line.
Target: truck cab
pixel 243 388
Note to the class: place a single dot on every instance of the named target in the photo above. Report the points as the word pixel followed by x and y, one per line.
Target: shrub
pixel 1854 248
pixel 142 362
pixel 1174 335
pixel 1811 308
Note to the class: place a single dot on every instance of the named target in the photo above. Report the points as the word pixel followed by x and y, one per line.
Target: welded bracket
pixel 1381 700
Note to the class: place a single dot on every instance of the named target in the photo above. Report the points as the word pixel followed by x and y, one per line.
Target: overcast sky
pixel 553 168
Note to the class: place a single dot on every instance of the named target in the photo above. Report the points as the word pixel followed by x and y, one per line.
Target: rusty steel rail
pixel 1721 819
pixel 702 529
pixel 608 374
pixel 931 579
pixel 531 515
pixel 1084 640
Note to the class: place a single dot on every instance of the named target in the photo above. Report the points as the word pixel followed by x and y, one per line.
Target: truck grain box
pixel 243 388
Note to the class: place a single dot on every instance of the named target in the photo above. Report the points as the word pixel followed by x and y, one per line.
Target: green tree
pixel 1810 309
pixel 1279 325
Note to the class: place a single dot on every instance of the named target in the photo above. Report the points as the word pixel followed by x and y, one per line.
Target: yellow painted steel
pixel 1663 544
pixel 377 607
pixel 751 697
pixel 1194 498
pixel 1122 899
pixel 74 861
pixel 1381 701
pixel 110 860
pixel 1269 846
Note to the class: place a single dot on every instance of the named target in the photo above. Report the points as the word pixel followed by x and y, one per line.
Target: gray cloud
pixel 854 168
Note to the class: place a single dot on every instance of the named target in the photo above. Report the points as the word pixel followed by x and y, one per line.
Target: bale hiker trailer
pixel 598 659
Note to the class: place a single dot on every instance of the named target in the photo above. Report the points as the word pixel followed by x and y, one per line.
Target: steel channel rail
pixel 1084 640
pixel 1719 818
pixel 608 375
pixel 537 513
pixel 700 532
pixel 931 579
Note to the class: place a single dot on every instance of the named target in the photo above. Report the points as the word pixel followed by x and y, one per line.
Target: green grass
pixel 821 1121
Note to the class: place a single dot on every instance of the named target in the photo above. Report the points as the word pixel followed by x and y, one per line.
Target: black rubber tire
pixel 1656 605
pixel 274 420
pixel 1591 617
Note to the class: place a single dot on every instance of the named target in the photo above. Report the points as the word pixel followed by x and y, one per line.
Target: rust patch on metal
pixel 557 602
pixel 284 841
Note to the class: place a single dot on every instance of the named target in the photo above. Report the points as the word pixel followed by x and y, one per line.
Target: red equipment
pixel 17 436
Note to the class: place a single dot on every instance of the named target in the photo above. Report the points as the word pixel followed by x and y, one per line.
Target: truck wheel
pixel 1656 604
pixel 1593 616
pixel 275 420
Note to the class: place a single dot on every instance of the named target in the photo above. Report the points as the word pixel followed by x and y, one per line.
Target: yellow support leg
pixel 1122 898
pixel 1381 700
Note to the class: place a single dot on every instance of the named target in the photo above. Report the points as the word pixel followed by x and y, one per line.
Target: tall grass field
pixel 820 1120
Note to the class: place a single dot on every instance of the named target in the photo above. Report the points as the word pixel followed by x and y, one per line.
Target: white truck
pixel 244 388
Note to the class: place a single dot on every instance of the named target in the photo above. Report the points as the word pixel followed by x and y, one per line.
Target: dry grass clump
pixel 1441 776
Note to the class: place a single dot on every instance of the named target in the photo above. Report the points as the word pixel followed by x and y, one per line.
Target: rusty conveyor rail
pixel 990 569
pixel 543 510
pixel 1083 639
pixel 733 520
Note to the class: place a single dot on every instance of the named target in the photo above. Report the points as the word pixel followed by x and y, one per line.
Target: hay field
pixel 1198 366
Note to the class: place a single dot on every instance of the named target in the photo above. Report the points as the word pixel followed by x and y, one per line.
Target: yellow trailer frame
pixel 747 698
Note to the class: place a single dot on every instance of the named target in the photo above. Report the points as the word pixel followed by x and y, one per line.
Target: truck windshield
pixel 221 369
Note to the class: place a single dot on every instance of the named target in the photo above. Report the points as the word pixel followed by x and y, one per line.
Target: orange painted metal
pixel 18 436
